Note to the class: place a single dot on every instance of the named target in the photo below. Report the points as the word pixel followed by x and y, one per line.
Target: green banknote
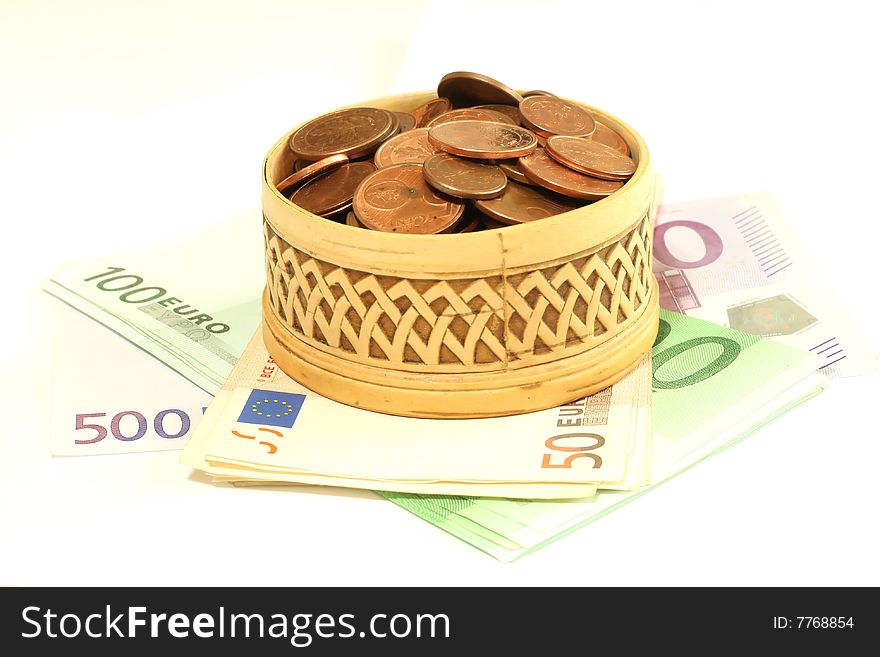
pixel 712 386
pixel 192 301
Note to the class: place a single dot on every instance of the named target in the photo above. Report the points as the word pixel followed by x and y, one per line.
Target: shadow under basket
pixel 465 325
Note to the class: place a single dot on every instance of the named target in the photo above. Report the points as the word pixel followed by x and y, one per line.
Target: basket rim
pixel 555 238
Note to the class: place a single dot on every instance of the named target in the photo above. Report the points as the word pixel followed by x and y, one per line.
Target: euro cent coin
pixel 521 204
pixel 351 220
pixel 487 223
pixel 483 140
pixel 547 172
pixel 605 135
pixel 354 132
pixel 399 200
pixel 405 121
pixel 470 222
pixel 549 115
pixel 590 157
pixel 463 178
pixel 513 171
pixel 410 147
pixel 510 111
pixel 466 89
pixel 313 170
pixel 332 192
pixel 430 110
pixel 473 114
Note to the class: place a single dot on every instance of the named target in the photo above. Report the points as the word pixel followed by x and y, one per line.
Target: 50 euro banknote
pixel 265 427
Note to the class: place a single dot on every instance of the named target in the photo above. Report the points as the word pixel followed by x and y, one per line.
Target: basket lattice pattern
pixel 466 324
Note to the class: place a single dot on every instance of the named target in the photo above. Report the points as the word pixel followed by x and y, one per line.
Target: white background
pixel 122 122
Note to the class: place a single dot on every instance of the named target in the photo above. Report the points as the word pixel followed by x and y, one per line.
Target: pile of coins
pixel 477 157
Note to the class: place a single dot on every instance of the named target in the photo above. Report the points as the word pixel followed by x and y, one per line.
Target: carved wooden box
pixel 461 325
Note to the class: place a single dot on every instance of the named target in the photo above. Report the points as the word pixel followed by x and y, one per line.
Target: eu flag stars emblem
pixel 277 409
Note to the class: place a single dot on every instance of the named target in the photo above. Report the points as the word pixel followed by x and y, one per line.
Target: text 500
pixel 164 424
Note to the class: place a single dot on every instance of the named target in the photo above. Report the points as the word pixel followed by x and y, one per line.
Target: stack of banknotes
pixel 747 333
pixel 264 427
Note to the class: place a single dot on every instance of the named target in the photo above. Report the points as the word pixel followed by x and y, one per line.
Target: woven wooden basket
pixel 461 325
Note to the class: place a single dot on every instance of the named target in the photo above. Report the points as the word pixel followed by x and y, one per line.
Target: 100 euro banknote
pixel 191 301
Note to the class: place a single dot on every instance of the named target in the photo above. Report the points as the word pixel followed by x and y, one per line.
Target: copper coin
pixel 426 112
pixel 487 223
pixel 468 89
pixel 332 192
pixel 408 147
pixel 483 140
pixel 301 164
pixel 310 171
pixel 605 135
pixel 510 111
pixel 473 114
pixel 405 121
pixel 547 172
pixel 520 204
pixel 590 157
pixel 399 200
pixel 513 171
pixel 351 220
pixel 467 224
pixel 463 178
pixel 538 92
pixel 354 132
pixel 548 114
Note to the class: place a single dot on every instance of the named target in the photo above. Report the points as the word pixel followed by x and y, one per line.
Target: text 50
pixel 579 450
